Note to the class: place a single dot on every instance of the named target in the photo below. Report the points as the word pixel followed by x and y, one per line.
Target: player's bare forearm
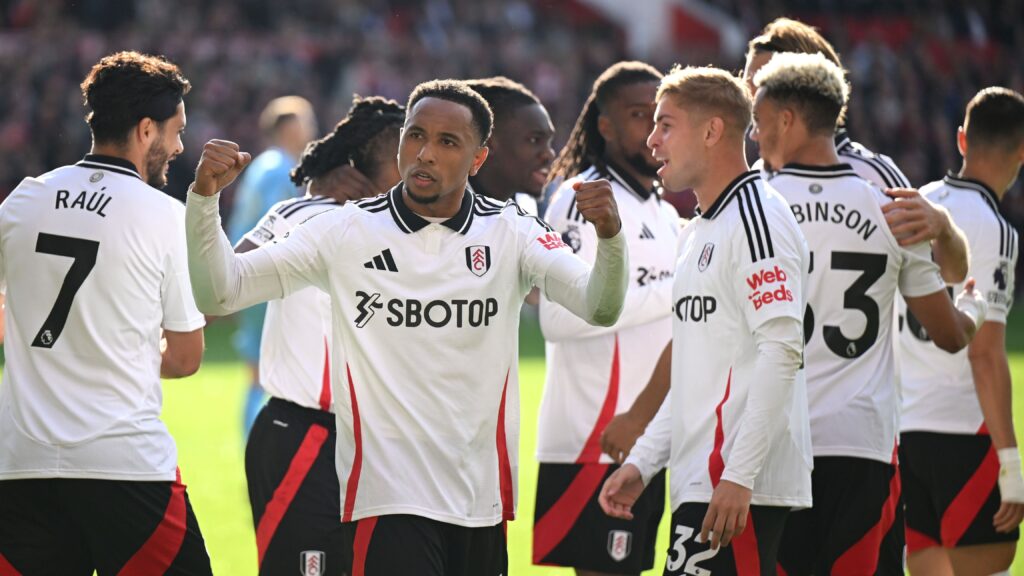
pixel 951 254
pixel 992 383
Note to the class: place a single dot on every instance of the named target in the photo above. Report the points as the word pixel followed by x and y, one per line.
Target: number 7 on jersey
pixel 84 254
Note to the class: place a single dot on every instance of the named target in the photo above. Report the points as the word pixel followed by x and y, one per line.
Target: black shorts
pixel 294 490
pixel 855 526
pixel 71 527
pixel 570 529
pixel 752 553
pixel 950 485
pixel 400 544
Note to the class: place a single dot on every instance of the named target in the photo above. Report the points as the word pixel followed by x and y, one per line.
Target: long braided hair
pixel 355 140
pixel 585 147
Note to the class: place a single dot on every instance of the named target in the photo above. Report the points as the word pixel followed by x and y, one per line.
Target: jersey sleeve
pixel 993 261
pixel 919 275
pixel 770 261
pixel 180 313
pixel 271 227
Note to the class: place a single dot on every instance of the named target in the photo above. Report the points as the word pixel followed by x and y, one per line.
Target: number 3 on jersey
pixel 84 254
pixel 677 556
pixel 871 267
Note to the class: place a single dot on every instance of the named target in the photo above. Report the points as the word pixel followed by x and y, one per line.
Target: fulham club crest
pixel 313 563
pixel 705 257
pixel 478 259
pixel 620 544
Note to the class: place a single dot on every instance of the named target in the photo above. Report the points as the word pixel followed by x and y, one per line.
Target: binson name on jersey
pixel 834 213
pixel 90 201
pixel 764 290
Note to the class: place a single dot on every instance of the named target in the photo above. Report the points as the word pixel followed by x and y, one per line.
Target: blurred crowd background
pixel 913 63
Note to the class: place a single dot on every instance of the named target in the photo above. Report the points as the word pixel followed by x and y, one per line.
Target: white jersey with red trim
pixel 294 357
pixel 857 268
pixel 425 321
pixel 95 265
pixel 593 372
pixel 742 264
pixel 938 387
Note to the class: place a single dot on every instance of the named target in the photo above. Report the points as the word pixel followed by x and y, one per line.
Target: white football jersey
pixel 425 322
pixel 743 263
pixel 294 350
pixel 857 268
pixel 594 372
pixel 95 265
pixel 938 387
pixel 878 169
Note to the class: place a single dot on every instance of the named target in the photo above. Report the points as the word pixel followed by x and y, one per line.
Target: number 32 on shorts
pixel 687 560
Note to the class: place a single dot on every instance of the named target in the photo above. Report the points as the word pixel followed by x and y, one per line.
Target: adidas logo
pixel 645 233
pixel 382 261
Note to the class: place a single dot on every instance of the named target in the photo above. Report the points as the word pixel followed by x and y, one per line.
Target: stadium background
pixel 913 65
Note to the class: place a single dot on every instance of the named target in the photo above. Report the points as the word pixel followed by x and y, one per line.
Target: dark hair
pixel 788 35
pixel 503 95
pixel 585 147
pixel 460 93
pixel 123 88
pixel 995 119
pixel 356 140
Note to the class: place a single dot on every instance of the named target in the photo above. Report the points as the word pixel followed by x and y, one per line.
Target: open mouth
pixel 423 178
pixel 540 176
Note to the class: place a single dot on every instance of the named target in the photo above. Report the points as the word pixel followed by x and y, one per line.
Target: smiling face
pixel 165 147
pixel 438 151
pixel 677 145
pixel 521 152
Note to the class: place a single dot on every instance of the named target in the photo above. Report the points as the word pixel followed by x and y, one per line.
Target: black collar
pixel 977 185
pixel 748 177
pixel 832 171
pixel 627 181
pixel 842 139
pixel 410 221
pixel 110 163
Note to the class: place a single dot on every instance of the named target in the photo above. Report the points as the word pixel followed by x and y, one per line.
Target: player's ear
pixel 714 128
pixel 605 128
pixel 961 140
pixel 478 159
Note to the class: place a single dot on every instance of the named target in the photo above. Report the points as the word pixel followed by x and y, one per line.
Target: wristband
pixel 973 305
pixel 1011 482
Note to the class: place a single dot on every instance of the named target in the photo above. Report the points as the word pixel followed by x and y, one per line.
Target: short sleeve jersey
pixel 594 373
pixel 938 387
pixel 294 349
pixel 425 322
pixel 743 263
pixel 95 266
pixel 857 268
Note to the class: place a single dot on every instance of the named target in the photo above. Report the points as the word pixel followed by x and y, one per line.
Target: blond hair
pixel 713 91
pixel 787 35
pixel 279 110
pixel 811 83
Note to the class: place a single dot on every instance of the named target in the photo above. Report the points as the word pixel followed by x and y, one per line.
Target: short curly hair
pixel 811 83
pixel 123 88
pixel 458 92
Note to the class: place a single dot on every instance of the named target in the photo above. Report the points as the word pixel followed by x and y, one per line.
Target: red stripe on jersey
pixel 779 570
pixel 325 384
pixel 285 492
pixel 357 459
pixel 965 507
pixel 592 449
pixel 862 557
pixel 716 465
pixel 6 569
pixel 162 546
pixel 504 465
pixel 744 550
pixel 364 532
pixel 552 527
pixel 917 541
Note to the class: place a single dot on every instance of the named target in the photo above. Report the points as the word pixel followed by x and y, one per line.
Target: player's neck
pixel 818 151
pixel 447 206
pixel 122 152
pixel 722 171
pixel 485 183
pixel 988 173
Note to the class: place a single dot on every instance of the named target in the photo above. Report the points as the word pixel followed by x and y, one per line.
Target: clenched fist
pixel 219 165
pixel 596 203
